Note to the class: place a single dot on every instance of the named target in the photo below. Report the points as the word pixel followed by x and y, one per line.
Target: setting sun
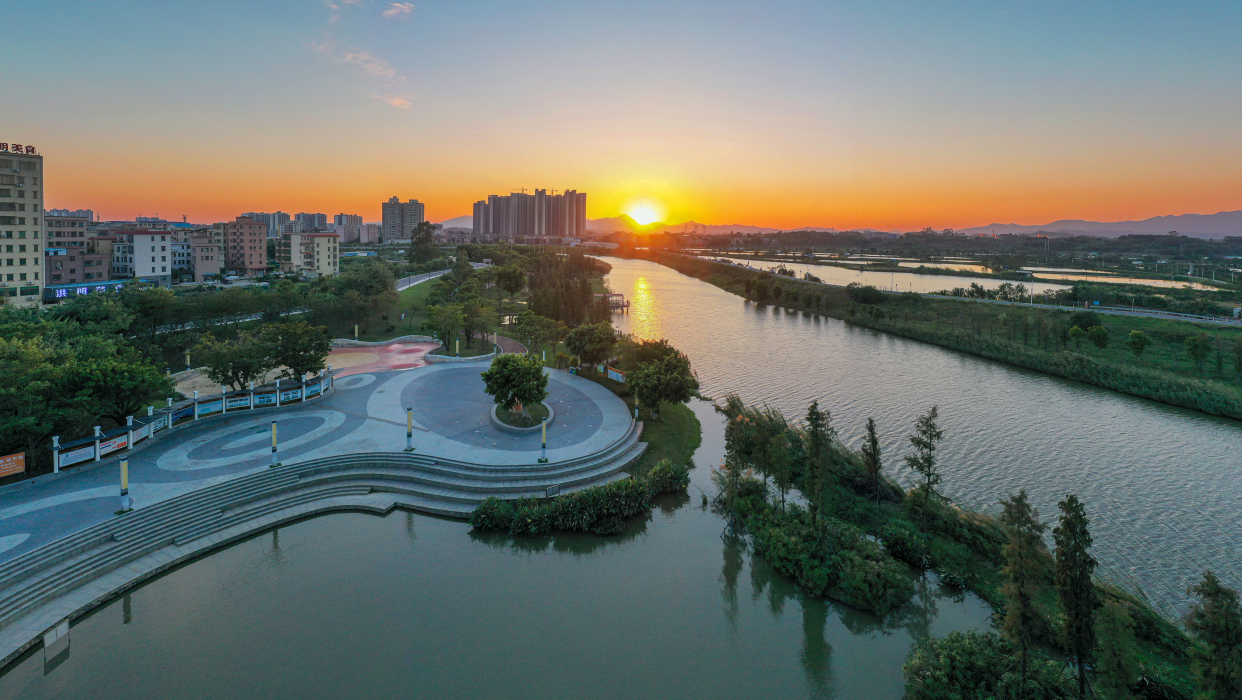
pixel 644 213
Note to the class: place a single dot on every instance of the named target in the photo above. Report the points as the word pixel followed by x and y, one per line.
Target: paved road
pixel 365 413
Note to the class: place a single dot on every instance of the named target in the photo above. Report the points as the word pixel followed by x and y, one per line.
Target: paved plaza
pixel 364 413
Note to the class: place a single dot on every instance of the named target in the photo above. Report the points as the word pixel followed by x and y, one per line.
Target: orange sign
pixel 13 464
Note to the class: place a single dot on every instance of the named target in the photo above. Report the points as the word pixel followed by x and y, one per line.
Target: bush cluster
pixel 602 510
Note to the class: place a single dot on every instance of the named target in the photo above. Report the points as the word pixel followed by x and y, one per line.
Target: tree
pixel 1138 342
pixel 537 330
pixel 511 279
pixel 668 380
pixel 298 347
pixel 1074 567
pixel 115 387
pixel 1116 667
pixel 477 317
pixel 1022 575
pixel 817 438
pixel 1077 334
pixel 447 320
pixel 423 243
pixel 516 380
pixel 236 362
pixel 591 342
pixel 1216 621
pixel 1237 357
pixel 1098 335
pixel 1197 347
pixel 925 437
pixel 871 458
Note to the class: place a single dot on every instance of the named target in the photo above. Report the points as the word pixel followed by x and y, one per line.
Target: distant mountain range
pixel 1225 223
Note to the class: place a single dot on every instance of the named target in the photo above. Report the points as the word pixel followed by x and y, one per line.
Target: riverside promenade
pixel 64 549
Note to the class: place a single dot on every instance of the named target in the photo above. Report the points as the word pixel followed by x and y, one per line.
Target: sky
pixel 891 115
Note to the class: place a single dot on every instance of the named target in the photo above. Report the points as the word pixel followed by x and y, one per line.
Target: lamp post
pixel 409 429
pixel 543 450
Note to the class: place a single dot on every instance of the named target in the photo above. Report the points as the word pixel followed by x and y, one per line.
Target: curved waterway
pixel 1162 485
pixel 354 605
pixel 896 281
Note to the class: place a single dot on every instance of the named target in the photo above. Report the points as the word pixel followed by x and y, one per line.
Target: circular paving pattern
pixel 230 444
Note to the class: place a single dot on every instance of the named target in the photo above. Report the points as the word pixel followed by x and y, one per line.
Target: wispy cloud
pixel 369 63
pixel 398 10
pixel 394 100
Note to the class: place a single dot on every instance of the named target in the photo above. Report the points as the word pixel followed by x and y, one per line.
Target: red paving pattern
pixel 388 357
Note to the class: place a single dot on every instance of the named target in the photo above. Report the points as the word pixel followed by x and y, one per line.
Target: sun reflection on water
pixel 644 317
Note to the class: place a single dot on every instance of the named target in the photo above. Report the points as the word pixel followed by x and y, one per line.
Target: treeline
pixel 1037 339
pixel 1182 301
pixel 863 540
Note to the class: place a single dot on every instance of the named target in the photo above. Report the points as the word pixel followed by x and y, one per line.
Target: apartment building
pixel 311 254
pixel 245 247
pixel 207 253
pixel 21 227
pixel 538 215
pixel 76 266
pixel 67 231
pixel 400 218
pixel 312 222
pixel 272 221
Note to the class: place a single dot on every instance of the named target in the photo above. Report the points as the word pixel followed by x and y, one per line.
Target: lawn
pixel 674 436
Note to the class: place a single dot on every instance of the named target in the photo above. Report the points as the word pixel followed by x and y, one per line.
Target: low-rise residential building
pixel 207 253
pixel 152 256
pixel 75 266
pixel 67 231
pixel 311 254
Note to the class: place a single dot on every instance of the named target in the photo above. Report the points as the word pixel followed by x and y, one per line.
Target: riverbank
pixel 1030 338
pixel 862 540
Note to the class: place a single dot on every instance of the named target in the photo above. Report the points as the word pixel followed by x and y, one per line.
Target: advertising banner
pixel 142 433
pixel 207 408
pixel 265 399
pixel 291 395
pixel 110 445
pixel 616 375
pixel 312 390
pixel 183 413
pixel 13 464
pixel 236 402
pixel 80 454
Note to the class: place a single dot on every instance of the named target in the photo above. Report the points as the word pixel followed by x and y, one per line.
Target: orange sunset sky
pixel 787 114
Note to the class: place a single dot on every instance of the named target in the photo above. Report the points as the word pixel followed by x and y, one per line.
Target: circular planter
pixel 514 429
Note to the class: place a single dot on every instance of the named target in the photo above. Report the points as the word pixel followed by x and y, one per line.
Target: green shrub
pixel 666 477
pixel 492 514
pixel 974 665
pixel 903 543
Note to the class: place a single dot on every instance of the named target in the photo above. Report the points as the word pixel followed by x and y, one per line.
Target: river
pixel 1162 485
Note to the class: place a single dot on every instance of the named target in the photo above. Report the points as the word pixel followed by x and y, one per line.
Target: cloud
pixel 398 10
pixel 394 100
pixel 371 64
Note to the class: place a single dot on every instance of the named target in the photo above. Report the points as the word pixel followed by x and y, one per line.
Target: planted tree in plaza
pixel 871 458
pixel 1138 342
pixel 477 318
pixel 925 438
pixel 1074 568
pixel 235 363
pixel 1022 576
pixel 1216 622
pixel 298 347
pixel 446 320
pixel 513 381
pixel 592 342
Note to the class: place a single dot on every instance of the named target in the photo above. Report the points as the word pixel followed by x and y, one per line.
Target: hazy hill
pixel 1225 223
pixel 458 222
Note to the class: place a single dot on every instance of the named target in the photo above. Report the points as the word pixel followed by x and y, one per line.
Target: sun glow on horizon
pixel 644 213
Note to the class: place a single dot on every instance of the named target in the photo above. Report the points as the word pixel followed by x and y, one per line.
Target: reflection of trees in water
pixel 816 654
pixel 577 543
pixel 729 571
pixel 669 503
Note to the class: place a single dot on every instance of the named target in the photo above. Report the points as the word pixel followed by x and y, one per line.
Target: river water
pixel 1162 485
pixel 354 605
pixel 897 281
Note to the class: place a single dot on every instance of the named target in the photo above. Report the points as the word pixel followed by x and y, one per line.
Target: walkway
pixel 364 414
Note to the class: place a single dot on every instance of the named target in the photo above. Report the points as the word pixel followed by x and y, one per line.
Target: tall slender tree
pixel 871 458
pixel 1216 621
pixel 925 438
pixel 1074 568
pixel 1022 574
pixel 817 438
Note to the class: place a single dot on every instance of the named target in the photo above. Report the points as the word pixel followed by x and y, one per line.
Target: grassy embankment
pixel 1032 338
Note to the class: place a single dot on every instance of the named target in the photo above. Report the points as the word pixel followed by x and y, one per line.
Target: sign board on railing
pixel 81 454
pixel 110 445
pixel 209 407
pixel 616 375
pixel 142 433
pixel 291 395
pixel 183 413
pixel 312 389
pixel 265 399
pixel 239 402
pixel 13 464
